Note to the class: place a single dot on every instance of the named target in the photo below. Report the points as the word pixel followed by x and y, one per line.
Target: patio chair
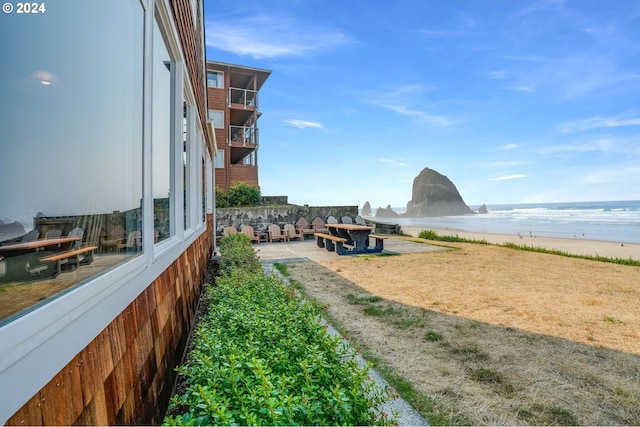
pixel 115 239
pixel 275 233
pixel 332 220
pixel 347 220
pixel 31 236
pixel 54 233
pixel 134 241
pixel 228 230
pixel 77 232
pixel 251 233
pixel 360 220
pixel 304 226
pixel 292 233
pixel 318 225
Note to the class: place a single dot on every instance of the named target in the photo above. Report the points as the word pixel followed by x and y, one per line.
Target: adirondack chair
pixel 276 233
pixel 292 233
pixel 134 241
pixel 303 225
pixel 115 239
pixel 347 220
pixel 332 220
pixel 31 235
pixel 53 234
pixel 251 233
pixel 77 232
pixel 230 229
pixel 318 225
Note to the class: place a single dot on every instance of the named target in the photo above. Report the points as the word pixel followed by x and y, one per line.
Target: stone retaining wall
pixel 260 217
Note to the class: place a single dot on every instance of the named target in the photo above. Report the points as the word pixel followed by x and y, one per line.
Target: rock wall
pixel 260 217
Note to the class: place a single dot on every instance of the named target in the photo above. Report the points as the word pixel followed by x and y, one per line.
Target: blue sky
pixel 514 101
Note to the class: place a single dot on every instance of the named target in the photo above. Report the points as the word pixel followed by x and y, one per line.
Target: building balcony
pixel 243 136
pixel 243 98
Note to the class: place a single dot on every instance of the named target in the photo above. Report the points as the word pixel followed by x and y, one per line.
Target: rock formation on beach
pixel 435 195
pixel 366 209
pixel 387 212
pixel 483 209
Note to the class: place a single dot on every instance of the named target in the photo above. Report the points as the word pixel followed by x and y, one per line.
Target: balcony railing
pixel 244 97
pixel 243 135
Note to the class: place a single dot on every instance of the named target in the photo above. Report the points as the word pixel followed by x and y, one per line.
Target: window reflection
pixel 70 146
pixel 161 137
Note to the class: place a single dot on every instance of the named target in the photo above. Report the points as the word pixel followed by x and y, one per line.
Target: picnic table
pixel 60 243
pixel 33 259
pixel 354 235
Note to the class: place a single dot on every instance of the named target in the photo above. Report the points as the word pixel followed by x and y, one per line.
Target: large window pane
pixel 70 145
pixel 161 117
pixel 187 120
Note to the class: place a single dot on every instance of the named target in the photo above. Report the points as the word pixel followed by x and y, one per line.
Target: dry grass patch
pixel 492 335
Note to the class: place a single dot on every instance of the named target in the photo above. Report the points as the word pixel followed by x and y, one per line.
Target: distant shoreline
pixel 577 246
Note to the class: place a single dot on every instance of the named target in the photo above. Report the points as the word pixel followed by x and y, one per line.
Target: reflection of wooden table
pixel 356 235
pixel 58 242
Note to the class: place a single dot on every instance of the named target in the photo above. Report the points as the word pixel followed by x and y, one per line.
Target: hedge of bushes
pixel 260 357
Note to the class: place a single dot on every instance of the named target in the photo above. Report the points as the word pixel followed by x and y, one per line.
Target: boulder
pixel 483 209
pixel 435 195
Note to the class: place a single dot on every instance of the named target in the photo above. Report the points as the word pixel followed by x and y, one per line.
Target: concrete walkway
pixel 308 250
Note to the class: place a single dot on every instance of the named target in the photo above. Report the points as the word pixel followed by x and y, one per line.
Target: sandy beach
pixel 578 245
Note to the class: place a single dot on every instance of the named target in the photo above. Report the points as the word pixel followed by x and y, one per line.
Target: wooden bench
pixel 327 240
pixel 70 256
pixel 379 241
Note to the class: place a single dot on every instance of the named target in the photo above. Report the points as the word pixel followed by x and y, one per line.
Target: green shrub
pixel 260 357
pixel 237 254
pixel 221 198
pixel 243 194
pixel 428 234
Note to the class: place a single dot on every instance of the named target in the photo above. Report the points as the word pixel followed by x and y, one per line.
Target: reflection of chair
pixel 318 225
pixel 30 236
pixel 230 229
pixel 304 226
pixel 76 232
pixel 116 238
pixel 360 220
pixel 276 233
pixel 53 234
pixel 134 241
pixel 347 220
pixel 332 220
pixel 248 230
pixel 292 233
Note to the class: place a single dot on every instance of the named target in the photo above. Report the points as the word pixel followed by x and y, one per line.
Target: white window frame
pixel 219 81
pixel 219 122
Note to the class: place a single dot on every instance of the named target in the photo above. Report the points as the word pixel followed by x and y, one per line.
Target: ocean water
pixel 609 221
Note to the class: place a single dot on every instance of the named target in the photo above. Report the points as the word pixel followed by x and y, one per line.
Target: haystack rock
pixel 483 209
pixel 435 195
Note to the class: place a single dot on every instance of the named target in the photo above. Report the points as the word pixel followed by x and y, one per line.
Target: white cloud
pixel 270 36
pixel 420 115
pixel 303 124
pixel 597 122
pixel 510 147
pixel 496 74
pixel 508 177
pixel 393 162
pixel 528 89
